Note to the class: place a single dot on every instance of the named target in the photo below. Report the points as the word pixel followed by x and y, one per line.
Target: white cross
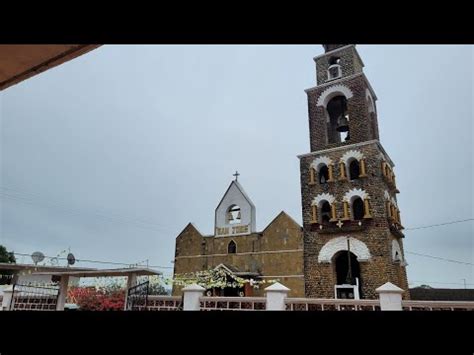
pixel 339 224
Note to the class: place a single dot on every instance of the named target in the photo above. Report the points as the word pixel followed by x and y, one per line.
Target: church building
pixel 353 239
pixel 276 253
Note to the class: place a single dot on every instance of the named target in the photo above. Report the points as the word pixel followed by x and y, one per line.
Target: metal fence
pixel 321 304
pixel 164 303
pixel 233 303
pixel 437 306
pixel 137 297
pixel 34 298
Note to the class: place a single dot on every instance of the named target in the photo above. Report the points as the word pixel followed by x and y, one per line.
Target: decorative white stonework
pixel 350 195
pixel 370 100
pixel 351 154
pixel 394 202
pixel 323 197
pixel 335 245
pixel 386 195
pixel 316 164
pixel 396 251
pixel 334 91
pixel 235 196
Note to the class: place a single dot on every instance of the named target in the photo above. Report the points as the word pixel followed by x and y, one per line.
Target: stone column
pixel 346 211
pixel 276 295
pixel 362 168
pixel 342 171
pixel 331 173
pixel 7 298
pixel 192 293
pixel 390 297
pixel 311 176
pixel 333 212
pixel 367 208
pixel 62 292
pixel 314 214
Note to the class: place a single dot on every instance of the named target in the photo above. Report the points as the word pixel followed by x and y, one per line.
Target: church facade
pixel 353 239
pixel 276 253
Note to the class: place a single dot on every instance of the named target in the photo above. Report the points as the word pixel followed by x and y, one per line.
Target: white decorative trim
pixel 386 195
pixel 394 202
pixel 320 161
pixel 350 195
pixel 338 244
pixel 333 91
pixel 357 155
pixel 323 197
pixel 369 98
pixel 396 248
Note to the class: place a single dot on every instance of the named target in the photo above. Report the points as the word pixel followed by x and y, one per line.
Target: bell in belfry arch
pixel 229 216
pixel 342 124
pixel 239 216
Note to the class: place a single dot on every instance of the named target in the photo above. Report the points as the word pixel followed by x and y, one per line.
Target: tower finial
pixel 236 175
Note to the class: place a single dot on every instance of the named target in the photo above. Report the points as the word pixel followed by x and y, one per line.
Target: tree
pixel 6 257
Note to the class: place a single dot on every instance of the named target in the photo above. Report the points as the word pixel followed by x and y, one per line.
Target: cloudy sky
pixel 113 153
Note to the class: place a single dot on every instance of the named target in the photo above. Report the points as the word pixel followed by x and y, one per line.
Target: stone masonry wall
pixel 350 63
pixel 357 109
pixel 275 252
pixel 375 232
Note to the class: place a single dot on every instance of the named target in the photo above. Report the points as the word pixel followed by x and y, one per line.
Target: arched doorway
pixel 346 275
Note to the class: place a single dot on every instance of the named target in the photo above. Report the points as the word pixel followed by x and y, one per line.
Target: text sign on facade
pixel 220 231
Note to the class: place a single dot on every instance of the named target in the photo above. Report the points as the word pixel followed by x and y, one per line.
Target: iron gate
pixel 137 297
pixel 34 298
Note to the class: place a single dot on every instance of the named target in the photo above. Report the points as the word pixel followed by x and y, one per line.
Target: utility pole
pixel 464 283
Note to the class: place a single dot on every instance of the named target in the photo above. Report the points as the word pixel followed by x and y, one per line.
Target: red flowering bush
pixel 98 299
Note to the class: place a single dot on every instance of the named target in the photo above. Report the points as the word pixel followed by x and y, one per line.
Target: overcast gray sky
pixel 113 153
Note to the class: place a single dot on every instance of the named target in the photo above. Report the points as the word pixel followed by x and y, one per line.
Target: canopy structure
pixel 20 62
pixel 103 272
pixel 131 273
pixel 46 269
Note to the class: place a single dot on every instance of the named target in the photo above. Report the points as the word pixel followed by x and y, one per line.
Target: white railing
pixel 232 303
pixel 437 306
pixel 164 303
pixel 328 304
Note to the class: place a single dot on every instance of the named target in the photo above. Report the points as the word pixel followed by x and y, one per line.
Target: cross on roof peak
pixel 236 175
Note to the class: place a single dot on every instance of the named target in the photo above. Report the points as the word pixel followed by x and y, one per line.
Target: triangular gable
pixel 242 191
pixel 282 214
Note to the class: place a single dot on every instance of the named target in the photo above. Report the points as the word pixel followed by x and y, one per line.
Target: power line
pixel 99 261
pixel 440 224
pixel 439 258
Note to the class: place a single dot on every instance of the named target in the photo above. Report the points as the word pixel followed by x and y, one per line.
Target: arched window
pixel 334 69
pixel 233 215
pixel 325 212
pixel 323 174
pixel 354 170
pixel 338 121
pixel 358 208
pixel 232 247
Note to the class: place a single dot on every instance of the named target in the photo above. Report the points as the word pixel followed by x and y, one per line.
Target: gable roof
pixel 191 227
pixel 282 214
pixel 242 191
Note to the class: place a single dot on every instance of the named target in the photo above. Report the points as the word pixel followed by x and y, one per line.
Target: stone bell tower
pixel 352 229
